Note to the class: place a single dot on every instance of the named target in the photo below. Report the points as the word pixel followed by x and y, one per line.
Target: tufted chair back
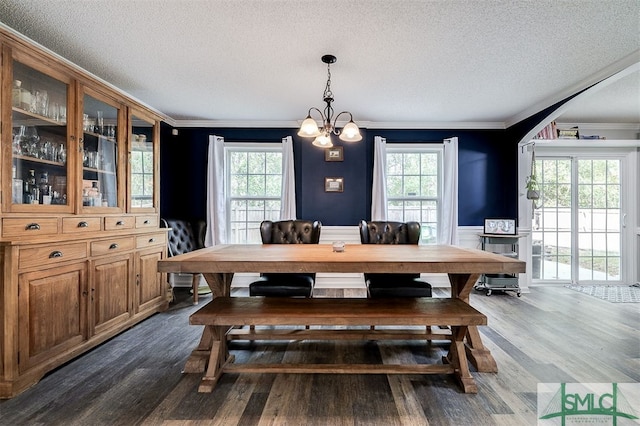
pixel 290 232
pixel 393 285
pixel 382 232
pixel 183 238
pixel 287 284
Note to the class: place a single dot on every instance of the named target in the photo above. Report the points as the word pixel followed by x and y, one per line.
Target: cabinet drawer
pixel 74 225
pixel 29 227
pixel 112 245
pixel 51 254
pixel 113 223
pixel 147 221
pixel 158 239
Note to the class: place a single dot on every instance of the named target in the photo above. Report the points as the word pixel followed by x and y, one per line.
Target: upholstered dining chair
pixel 185 237
pixel 393 285
pixel 287 284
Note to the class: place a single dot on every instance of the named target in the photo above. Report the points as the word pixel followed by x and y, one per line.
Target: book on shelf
pixel 571 133
pixel 548 132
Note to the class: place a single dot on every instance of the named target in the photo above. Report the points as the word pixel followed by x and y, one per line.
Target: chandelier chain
pixel 327 90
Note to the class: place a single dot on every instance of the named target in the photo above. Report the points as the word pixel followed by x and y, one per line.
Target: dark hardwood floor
pixel 551 335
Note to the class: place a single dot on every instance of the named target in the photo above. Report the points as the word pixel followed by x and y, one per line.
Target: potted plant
pixel 533 189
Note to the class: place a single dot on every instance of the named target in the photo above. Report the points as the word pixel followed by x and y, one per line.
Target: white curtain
pixel 448 226
pixel 288 202
pixel 379 187
pixel 216 200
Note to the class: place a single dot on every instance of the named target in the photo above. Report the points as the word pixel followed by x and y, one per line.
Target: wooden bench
pixel 223 314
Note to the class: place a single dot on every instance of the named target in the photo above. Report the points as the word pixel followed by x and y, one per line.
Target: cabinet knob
pixel 146 222
pixel 151 240
pixel 119 223
pixel 32 227
pixel 54 254
pixel 83 224
pixel 113 246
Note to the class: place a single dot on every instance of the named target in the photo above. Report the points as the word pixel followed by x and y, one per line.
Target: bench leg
pixel 197 361
pixel 218 358
pixel 458 359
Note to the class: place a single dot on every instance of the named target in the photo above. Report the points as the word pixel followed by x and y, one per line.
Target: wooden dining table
pixel 462 265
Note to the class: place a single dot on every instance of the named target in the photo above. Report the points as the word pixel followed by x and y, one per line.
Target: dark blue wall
pixel 487 172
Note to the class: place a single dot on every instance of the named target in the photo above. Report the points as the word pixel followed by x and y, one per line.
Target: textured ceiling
pixel 257 62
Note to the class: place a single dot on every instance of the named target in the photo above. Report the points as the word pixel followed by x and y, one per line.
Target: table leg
pixel 479 356
pixel 220 284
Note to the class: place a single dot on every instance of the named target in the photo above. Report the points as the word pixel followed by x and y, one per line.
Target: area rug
pixel 610 293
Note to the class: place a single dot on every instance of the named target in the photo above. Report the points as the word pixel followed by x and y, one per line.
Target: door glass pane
pixel 599 235
pixel 100 154
pixel 142 178
pixel 39 138
pixel 552 244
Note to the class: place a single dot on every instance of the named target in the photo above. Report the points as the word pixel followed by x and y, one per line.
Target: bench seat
pixel 225 313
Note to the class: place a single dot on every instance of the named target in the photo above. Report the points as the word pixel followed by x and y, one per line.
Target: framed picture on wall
pixel 333 184
pixel 500 226
pixel 333 154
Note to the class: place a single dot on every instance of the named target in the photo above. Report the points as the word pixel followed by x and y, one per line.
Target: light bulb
pixel 350 133
pixel 309 128
pixel 323 141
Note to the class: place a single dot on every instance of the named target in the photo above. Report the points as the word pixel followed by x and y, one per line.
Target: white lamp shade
pixel 323 141
pixel 309 128
pixel 350 133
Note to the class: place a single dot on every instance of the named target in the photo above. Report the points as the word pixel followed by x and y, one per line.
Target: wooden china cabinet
pixel 79 227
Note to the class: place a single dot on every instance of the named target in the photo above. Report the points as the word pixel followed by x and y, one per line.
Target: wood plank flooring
pixel 551 335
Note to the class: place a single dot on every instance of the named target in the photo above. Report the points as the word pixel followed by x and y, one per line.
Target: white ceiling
pixel 400 63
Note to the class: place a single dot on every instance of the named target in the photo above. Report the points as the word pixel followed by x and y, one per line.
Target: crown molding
pixel 362 124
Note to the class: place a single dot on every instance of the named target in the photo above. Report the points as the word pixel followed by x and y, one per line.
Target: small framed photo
pixel 333 184
pixel 333 154
pixel 500 226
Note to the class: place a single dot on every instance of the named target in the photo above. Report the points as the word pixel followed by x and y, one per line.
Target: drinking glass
pixel 100 123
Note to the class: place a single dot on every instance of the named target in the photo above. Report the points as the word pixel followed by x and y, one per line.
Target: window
pixel 142 175
pixel 414 186
pixel 254 188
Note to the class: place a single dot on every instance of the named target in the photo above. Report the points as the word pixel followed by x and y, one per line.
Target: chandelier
pixel 309 127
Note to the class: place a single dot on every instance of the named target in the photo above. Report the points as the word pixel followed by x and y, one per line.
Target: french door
pixel 577 229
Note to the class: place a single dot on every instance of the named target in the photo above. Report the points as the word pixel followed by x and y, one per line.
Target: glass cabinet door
pixel 39 141
pixel 100 152
pixel 143 163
